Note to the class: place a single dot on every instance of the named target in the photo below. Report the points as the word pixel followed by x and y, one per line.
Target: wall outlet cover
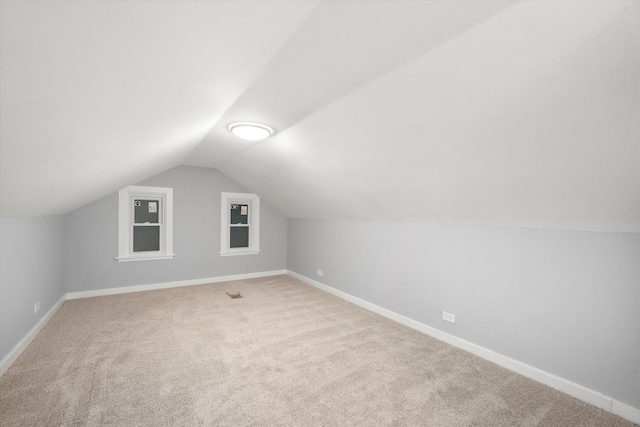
pixel 448 317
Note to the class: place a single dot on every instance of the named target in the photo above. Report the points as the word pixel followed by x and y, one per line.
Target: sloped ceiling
pixel 520 114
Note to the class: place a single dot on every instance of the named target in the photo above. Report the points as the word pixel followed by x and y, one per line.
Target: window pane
pixel 239 237
pixel 239 214
pixel 146 238
pixel 146 211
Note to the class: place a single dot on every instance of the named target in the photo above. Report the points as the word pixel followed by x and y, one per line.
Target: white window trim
pixel 254 223
pixel 126 197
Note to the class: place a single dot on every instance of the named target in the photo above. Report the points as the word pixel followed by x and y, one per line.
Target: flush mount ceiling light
pixel 250 131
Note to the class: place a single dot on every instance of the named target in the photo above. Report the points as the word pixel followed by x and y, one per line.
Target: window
pixel 145 223
pixel 240 224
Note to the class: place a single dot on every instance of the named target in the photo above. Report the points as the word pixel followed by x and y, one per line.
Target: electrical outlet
pixel 36 307
pixel 448 317
pixel 319 272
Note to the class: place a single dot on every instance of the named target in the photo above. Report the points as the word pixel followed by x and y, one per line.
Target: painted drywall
pixel 92 237
pixel 31 270
pixel 565 302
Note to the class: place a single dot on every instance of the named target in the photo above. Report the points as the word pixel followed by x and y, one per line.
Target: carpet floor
pixel 285 354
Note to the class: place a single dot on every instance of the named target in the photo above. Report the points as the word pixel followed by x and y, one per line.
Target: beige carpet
pixel 284 354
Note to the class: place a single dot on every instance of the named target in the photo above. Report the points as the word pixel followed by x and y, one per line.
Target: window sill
pixel 144 258
pixel 243 252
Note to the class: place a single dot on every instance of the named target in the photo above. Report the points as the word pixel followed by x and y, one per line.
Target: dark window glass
pixel 146 211
pixel 239 237
pixel 146 238
pixel 239 214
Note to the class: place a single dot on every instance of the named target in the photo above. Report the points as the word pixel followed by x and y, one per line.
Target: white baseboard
pixel 16 351
pixel 572 389
pixel 166 285
pixel 625 411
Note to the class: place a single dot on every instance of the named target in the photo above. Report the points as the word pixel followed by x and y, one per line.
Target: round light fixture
pixel 250 131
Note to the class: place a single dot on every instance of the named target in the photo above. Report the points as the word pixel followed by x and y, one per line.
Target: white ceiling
pixel 520 114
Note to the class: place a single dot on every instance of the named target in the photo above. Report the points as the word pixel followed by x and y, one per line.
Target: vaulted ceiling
pixel 519 114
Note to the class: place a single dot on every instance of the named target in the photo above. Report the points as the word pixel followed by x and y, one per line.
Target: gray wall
pixel 566 302
pixel 31 270
pixel 92 237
